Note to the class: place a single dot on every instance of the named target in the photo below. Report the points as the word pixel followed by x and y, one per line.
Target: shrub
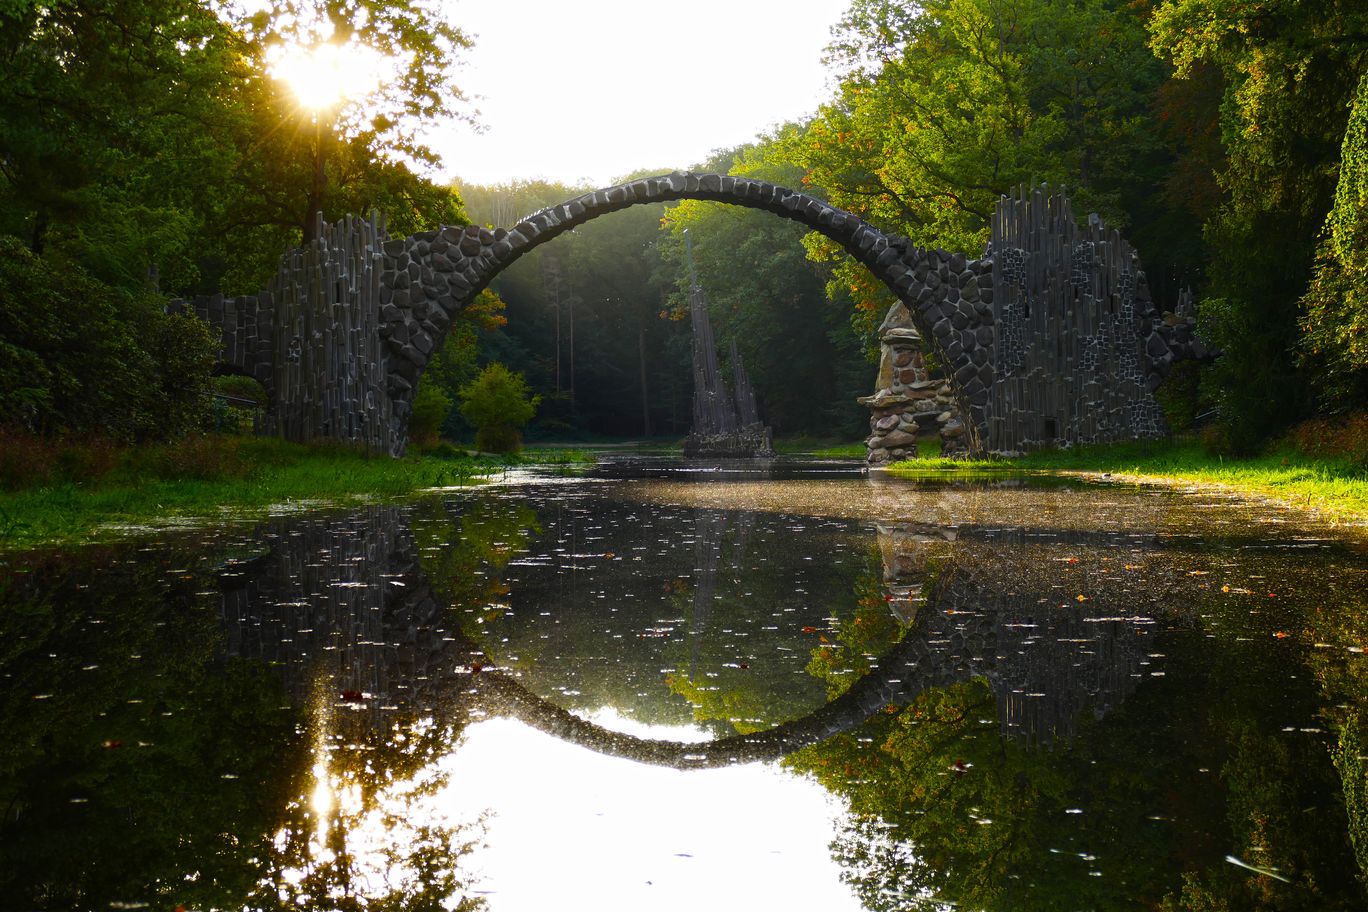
pixel 198 456
pixel 78 356
pixel 1334 438
pixel 431 405
pixel 26 460
pixel 498 438
pixel 230 417
pixel 497 403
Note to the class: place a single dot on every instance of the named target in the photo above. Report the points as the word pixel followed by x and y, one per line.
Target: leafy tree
pixel 497 403
pixel 431 405
pixel 587 321
pixel 82 357
pixel 152 135
pixel 1286 73
pixel 801 352
pixel 457 362
pixel 113 130
pixel 943 106
pixel 1335 307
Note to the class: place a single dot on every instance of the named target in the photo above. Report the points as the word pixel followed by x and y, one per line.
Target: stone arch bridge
pixel 344 331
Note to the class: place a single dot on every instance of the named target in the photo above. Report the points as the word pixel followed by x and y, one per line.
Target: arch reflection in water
pixel 968 690
pixel 378 637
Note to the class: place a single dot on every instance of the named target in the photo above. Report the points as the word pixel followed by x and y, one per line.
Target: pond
pixel 659 686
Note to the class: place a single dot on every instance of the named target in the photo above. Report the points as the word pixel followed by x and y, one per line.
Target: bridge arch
pixel 1051 336
pixel 430 277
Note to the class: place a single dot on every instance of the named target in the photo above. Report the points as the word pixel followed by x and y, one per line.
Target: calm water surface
pixel 657 687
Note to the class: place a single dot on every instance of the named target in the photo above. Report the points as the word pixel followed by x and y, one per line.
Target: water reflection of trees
pixel 172 720
pixel 1143 793
pixel 190 710
pixel 137 764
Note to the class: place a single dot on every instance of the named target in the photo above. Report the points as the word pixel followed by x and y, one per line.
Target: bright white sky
pixel 590 90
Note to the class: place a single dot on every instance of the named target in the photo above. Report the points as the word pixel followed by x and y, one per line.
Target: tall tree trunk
pixel 645 396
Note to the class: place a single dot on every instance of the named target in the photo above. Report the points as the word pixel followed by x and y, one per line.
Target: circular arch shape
pixel 450 267
pixel 909 668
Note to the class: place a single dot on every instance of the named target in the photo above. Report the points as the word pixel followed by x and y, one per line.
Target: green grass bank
pixel 1336 487
pixel 56 495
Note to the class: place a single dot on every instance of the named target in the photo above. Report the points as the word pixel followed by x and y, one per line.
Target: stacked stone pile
pixel 908 405
pixel 1178 341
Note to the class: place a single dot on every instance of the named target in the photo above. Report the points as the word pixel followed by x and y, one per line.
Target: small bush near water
pixel 1343 437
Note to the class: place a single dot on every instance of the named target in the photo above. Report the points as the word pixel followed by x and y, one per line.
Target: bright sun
pixel 326 75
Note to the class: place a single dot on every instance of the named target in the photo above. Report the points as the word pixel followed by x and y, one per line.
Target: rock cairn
pixel 909 405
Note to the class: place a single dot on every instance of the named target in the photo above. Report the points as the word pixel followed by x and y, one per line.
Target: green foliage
pixel 83 490
pixel 497 403
pixel 457 362
pixel 586 321
pixel 943 106
pixel 1335 308
pixel 861 639
pixel 151 747
pixel 806 363
pixel 431 405
pixel 1344 437
pixel 498 438
pixel 82 357
pixel 1180 396
pixel 1284 74
pixel 153 136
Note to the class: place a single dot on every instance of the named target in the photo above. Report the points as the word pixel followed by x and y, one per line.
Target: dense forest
pixel 148 148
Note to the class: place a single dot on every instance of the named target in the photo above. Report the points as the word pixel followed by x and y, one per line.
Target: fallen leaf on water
pixel 809 630
pixel 1082 598
pixel 1225 588
pixel 1280 635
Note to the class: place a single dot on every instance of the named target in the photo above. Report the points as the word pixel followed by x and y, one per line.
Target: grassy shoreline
pixel 246 479
pixel 229 479
pixel 1336 489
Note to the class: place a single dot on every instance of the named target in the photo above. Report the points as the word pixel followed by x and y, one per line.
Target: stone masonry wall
pixel 354 318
